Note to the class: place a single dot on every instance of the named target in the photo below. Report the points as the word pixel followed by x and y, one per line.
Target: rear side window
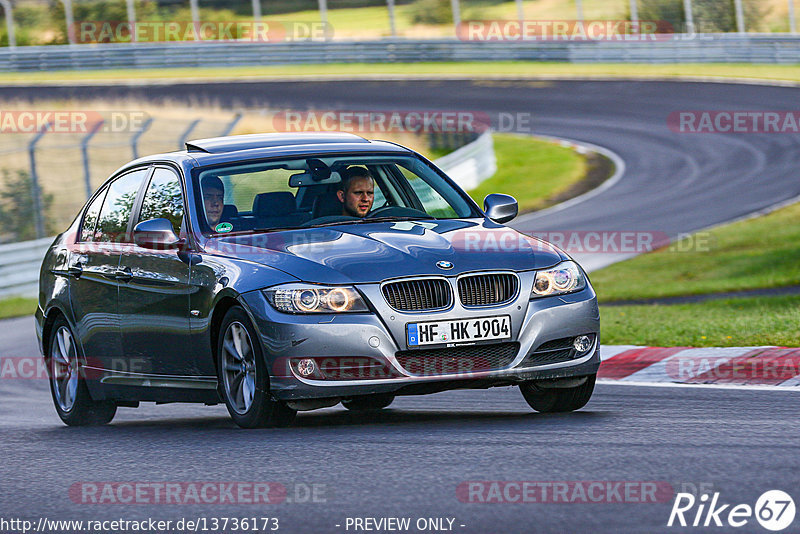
pixel 90 217
pixel 163 199
pixel 117 207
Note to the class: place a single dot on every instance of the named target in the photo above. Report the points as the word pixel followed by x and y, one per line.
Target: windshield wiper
pixel 368 220
pixel 393 219
pixel 278 229
pixel 365 220
pixel 334 223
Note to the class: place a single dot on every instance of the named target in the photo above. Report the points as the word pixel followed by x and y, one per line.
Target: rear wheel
pixel 243 376
pixel 378 401
pixel 71 397
pixel 558 399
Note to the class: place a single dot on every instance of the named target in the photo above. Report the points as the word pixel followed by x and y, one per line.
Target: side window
pixel 379 200
pixel 90 217
pixel 163 199
pixel 116 213
pixel 434 203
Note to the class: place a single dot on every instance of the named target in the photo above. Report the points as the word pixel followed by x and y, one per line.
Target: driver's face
pixel 358 199
pixel 214 202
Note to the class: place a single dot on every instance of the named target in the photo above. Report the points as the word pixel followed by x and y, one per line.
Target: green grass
pixel 756 253
pixel 719 323
pixel 474 70
pixel 17 307
pixel 532 170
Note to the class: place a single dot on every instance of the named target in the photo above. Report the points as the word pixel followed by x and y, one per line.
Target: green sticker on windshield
pixel 223 227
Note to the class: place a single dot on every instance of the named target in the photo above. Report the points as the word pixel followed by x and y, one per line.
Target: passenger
pixel 213 198
pixel 356 191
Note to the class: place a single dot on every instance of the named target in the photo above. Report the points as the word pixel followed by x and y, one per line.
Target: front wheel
pixel 243 376
pixel 559 400
pixel 369 402
pixel 71 397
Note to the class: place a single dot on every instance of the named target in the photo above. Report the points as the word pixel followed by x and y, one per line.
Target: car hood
pixel 372 252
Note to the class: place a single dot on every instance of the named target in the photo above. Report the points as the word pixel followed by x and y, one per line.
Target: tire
pixel 243 376
pixel 71 397
pixel 559 400
pixel 377 401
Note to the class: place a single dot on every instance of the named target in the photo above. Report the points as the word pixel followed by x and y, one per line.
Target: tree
pixel 431 12
pixel 710 16
pixel 17 222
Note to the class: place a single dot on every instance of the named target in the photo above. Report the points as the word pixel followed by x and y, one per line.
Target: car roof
pixel 234 148
pixel 234 143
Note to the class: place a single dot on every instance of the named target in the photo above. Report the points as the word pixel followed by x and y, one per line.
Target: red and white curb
pixel 756 367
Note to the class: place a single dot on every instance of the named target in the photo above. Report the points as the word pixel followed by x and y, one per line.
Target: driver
pixel 213 198
pixel 356 191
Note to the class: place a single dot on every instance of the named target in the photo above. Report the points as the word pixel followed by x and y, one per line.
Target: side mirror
pixel 500 208
pixel 156 234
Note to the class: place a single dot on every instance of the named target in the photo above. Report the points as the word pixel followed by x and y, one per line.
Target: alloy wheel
pixel 65 369
pixel 239 367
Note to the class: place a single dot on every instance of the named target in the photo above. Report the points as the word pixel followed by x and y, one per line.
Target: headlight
pixel 298 298
pixel 565 277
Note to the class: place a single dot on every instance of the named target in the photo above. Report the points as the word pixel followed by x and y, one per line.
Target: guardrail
pixel 20 262
pixel 678 48
pixel 471 164
pixel 19 267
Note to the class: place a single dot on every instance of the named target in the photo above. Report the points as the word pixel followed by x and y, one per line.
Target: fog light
pixel 306 367
pixel 582 343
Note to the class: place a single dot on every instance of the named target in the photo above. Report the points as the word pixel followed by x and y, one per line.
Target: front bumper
pixel 286 337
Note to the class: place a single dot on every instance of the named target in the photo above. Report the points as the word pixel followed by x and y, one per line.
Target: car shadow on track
pixel 340 419
pixel 428 417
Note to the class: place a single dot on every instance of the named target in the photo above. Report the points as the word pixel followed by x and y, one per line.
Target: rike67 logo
pixel 774 510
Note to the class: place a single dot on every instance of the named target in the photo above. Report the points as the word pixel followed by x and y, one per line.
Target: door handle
pixel 75 270
pixel 123 275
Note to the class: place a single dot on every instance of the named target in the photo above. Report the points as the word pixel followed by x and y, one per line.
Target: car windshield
pixel 323 191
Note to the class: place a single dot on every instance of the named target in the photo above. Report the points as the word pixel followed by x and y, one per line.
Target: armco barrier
pixel 19 267
pixel 471 164
pixel 679 48
pixel 20 262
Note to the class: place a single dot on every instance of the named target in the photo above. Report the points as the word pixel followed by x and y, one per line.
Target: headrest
pixel 274 204
pixel 327 204
pixel 229 211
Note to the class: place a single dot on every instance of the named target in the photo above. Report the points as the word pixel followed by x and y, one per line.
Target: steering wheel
pixel 397 211
pixel 377 211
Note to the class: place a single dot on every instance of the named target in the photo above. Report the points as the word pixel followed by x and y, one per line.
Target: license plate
pixel 458 331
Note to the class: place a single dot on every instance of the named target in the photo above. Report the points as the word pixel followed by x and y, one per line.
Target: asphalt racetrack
pixel 410 460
